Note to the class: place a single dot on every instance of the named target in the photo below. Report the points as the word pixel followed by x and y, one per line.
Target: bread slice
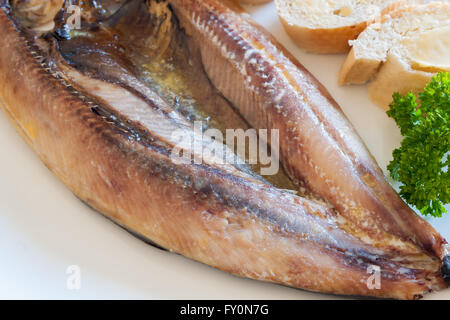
pixel 389 51
pixel 326 26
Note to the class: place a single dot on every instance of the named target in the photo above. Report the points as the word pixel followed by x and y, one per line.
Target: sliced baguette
pixel 380 52
pixel 371 48
pixel 326 26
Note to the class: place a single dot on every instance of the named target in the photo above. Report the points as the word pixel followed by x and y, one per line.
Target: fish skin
pixel 279 93
pixel 135 183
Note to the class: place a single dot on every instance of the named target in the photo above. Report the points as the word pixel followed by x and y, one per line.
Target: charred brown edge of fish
pixel 341 256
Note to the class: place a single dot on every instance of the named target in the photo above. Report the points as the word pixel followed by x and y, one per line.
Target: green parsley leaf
pixel 421 163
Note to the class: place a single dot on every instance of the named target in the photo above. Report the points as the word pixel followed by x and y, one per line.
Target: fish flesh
pixel 100 104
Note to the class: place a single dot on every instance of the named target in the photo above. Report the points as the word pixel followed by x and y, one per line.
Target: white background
pixel 44 228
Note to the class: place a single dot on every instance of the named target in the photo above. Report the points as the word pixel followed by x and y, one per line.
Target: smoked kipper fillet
pixel 99 106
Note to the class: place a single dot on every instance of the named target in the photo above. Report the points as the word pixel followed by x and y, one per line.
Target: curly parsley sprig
pixel 421 163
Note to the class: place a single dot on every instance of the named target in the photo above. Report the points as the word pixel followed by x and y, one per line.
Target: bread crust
pixel 388 75
pixel 360 70
pixel 396 76
pixel 357 71
pixel 323 41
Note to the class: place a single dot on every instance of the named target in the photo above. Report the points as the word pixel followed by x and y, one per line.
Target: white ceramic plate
pixel 44 229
